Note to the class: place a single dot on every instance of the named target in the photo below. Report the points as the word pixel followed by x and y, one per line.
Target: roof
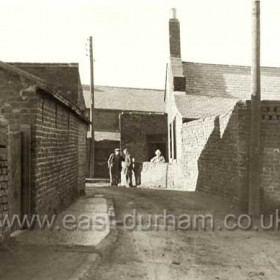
pixel 230 81
pixel 64 78
pixel 125 98
pixel 106 136
pixel 199 106
pixel 214 89
pixel 42 84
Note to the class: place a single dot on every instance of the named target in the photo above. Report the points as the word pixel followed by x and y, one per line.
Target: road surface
pixel 159 254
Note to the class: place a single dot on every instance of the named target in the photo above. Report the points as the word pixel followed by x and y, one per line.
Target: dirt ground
pixel 185 254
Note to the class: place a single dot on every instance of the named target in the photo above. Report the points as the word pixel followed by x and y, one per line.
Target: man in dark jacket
pixel 115 167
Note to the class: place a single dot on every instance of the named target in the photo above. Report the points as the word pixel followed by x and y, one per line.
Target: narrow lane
pixel 175 254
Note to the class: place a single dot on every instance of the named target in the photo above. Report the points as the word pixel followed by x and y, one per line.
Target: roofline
pixel 50 64
pixel 143 113
pixel 128 111
pixel 40 83
pixel 230 65
pixel 161 90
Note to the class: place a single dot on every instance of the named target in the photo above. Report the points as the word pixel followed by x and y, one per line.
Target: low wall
pixel 154 175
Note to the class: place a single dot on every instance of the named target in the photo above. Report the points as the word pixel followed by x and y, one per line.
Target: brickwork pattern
pixel 58 148
pixel 60 157
pixel 4 181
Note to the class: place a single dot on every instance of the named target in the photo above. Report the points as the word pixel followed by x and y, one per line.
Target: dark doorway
pixel 156 142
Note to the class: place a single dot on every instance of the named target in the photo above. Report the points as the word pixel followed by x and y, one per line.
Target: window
pixel 170 141
pixel 174 139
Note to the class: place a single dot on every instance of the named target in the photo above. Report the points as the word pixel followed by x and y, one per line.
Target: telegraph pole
pixel 255 149
pixel 92 152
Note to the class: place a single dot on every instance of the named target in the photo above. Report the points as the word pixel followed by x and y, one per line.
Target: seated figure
pixel 158 158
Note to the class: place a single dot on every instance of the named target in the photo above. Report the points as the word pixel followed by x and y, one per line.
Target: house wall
pixel 106 120
pixel 58 142
pixel 4 181
pixel 135 128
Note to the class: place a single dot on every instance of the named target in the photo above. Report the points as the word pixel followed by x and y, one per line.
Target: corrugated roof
pixel 122 98
pixel 64 78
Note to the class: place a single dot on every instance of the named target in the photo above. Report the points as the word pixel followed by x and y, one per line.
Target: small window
pixel 174 139
pixel 170 141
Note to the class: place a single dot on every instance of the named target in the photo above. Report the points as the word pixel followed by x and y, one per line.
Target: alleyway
pixel 173 254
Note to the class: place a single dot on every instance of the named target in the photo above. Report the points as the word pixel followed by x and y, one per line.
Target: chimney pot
pixel 173 13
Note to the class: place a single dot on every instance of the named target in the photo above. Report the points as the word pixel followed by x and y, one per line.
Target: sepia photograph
pixel 139 140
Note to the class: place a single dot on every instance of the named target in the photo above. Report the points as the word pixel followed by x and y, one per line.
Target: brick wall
pixel 270 141
pixel 58 147
pixel 215 155
pixel 216 151
pixel 4 181
pixel 135 129
pixel 60 156
pixel 106 120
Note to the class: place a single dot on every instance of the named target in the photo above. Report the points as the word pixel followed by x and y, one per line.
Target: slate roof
pixel 199 106
pixel 124 98
pixel 230 81
pixel 213 89
pixel 64 78
pixel 106 135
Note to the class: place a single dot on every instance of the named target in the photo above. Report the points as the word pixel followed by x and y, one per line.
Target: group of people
pixel 118 163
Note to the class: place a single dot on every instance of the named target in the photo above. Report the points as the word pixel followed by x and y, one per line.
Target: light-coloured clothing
pixel 158 159
pixel 127 170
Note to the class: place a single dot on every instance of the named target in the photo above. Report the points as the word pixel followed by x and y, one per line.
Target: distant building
pixel 134 118
pixel 43 107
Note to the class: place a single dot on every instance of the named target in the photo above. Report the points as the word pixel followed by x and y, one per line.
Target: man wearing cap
pixel 115 167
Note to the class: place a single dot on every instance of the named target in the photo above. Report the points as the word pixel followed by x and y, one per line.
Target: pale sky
pixel 130 37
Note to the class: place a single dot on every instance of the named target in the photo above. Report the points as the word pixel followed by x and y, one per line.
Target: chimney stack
pixel 174 35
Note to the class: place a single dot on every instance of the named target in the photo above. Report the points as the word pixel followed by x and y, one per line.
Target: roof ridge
pixel 125 87
pixel 229 65
pixel 38 64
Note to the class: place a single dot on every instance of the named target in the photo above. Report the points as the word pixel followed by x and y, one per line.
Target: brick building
pixel 134 118
pixel 4 176
pixel 43 106
pixel 208 107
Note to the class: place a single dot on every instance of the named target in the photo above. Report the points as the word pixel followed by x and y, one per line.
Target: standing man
pixel 127 168
pixel 115 167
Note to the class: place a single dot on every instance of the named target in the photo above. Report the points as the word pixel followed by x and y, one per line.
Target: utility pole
pixel 92 152
pixel 255 129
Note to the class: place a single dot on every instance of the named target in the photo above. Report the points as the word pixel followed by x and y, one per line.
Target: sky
pixel 130 37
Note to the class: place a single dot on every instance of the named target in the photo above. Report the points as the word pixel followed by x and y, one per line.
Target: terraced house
pixel 43 152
